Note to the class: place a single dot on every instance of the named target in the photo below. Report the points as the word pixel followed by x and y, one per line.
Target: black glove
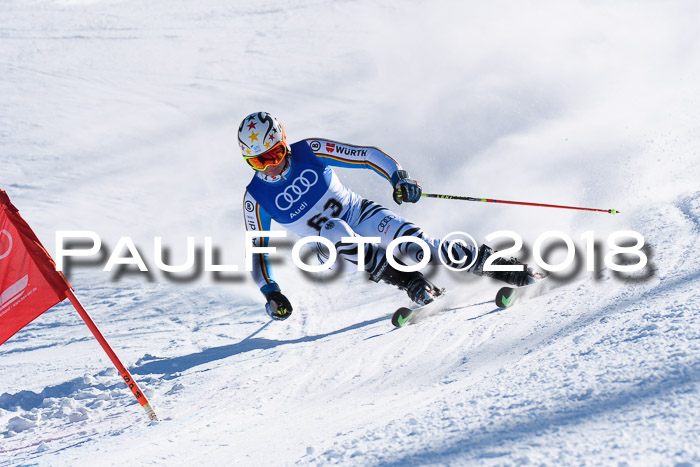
pixel 278 306
pixel 405 189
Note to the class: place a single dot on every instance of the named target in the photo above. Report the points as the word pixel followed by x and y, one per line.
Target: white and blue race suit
pixel 308 199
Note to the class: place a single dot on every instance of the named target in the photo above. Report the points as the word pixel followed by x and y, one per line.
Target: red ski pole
pixel 521 203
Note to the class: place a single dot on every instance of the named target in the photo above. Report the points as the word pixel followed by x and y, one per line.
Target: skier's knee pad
pixel 334 230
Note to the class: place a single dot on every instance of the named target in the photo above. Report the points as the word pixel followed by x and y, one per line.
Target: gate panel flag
pixel 30 285
pixel 29 282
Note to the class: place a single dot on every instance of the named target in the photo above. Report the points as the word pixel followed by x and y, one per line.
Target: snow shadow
pixel 48 345
pixel 27 400
pixel 171 366
pixel 485 443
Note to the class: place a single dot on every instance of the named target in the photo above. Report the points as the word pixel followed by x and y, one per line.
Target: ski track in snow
pixel 119 117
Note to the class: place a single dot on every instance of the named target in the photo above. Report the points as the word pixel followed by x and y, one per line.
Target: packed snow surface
pixel 120 117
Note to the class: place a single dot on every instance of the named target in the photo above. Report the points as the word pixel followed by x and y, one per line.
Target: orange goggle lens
pixel 273 156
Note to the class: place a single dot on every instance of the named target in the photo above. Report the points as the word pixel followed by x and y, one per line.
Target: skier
pixel 296 186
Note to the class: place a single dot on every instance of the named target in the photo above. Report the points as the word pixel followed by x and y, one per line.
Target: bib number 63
pixel 333 207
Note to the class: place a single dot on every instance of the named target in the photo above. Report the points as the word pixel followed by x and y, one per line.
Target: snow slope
pixel 119 117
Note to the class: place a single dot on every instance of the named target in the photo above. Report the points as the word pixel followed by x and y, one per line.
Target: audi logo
pixel 9 246
pixel 382 225
pixel 300 186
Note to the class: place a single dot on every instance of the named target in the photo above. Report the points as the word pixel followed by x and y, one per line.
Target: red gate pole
pixel 126 376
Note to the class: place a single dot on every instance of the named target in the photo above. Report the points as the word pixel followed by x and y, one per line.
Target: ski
pixel 405 316
pixel 506 297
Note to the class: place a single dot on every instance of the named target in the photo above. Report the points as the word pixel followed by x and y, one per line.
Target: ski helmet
pixel 262 140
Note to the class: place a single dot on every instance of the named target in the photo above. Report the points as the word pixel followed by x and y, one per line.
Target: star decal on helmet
pixel 253 136
pixel 251 126
pixel 267 145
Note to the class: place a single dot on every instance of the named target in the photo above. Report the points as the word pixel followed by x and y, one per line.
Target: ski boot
pixel 419 289
pixel 516 278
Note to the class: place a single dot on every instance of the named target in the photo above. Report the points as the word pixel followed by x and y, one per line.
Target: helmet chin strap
pixel 286 167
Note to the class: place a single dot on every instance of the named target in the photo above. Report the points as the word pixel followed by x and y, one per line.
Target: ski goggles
pixel 272 156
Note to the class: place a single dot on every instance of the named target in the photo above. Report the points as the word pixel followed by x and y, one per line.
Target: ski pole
pixel 522 203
